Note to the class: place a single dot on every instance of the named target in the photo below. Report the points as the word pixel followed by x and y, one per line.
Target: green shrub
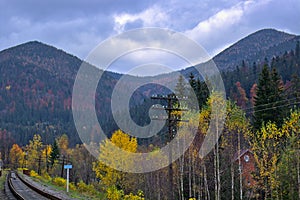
pixel 72 186
pixel 139 196
pixel 113 193
pixel 61 182
pixel 46 176
pixel 34 174
pixel 84 188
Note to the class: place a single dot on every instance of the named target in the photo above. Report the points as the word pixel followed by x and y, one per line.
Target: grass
pixel 3 179
pixel 72 193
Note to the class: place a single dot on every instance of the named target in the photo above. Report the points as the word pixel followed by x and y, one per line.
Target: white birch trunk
pixel 190 174
pixel 158 184
pixel 194 177
pixel 298 173
pixel 207 196
pixel 240 167
pixel 215 174
pixel 232 181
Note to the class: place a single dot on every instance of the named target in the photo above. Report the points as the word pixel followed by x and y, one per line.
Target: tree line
pixel 262 116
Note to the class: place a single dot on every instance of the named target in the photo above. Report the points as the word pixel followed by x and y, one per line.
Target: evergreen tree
pixel 180 87
pixel 262 98
pixel 254 69
pixel 269 99
pixel 54 155
pixel 292 92
pixel 295 90
pixel 192 81
pixel 297 50
pixel 192 94
pixel 200 90
pixel 202 93
pixel 280 106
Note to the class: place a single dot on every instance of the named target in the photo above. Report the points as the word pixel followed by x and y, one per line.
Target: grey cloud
pixel 78 26
pixel 49 10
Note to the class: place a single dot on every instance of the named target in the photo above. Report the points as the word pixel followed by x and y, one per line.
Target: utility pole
pixel 39 164
pixel 62 166
pixel 172 121
pixel 45 126
pixel 47 166
pixel 63 161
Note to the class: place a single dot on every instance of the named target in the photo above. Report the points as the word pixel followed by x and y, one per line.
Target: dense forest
pixel 256 156
pixel 37 79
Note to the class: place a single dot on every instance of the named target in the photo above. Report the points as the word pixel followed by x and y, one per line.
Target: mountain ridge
pixel 274 39
pixel 260 47
pixel 36 82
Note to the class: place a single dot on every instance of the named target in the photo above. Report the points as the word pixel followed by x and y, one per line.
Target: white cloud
pixel 221 20
pixel 214 24
pixel 220 27
pixel 153 16
pixel 138 47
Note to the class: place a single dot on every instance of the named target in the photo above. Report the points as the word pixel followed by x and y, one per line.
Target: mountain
pixel 256 47
pixel 36 82
pixel 44 57
pixel 35 90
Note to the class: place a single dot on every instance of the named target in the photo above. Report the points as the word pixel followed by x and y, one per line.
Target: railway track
pixel 22 190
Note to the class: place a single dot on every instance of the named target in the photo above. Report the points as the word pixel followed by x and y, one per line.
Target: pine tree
pixel 192 80
pixel 262 98
pixel 192 94
pixel 280 107
pixel 269 99
pixel 202 93
pixel 293 93
pixel 198 93
pixel 297 50
pixel 180 87
pixel 54 155
pixel 254 69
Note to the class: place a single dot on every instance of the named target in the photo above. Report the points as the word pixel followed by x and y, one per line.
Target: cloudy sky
pixel 79 26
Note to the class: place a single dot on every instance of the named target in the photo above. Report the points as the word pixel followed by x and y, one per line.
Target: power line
pixel 172 121
pixel 250 108
pixel 295 103
pixel 270 103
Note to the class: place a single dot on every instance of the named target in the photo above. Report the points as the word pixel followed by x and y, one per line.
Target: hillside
pixel 36 90
pixel 262 44
pixel 36 82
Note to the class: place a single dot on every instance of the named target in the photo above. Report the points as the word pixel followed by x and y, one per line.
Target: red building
pixel 247 166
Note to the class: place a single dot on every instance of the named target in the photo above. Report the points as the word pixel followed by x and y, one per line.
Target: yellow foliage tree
pixel 217 112
pixel 47 150
pixel 34 151
pixel 236 127
pixel 63 144
pixel 289 166
pixel 16 156
pixel 46 154
pixel 267 145
pixel 110 177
